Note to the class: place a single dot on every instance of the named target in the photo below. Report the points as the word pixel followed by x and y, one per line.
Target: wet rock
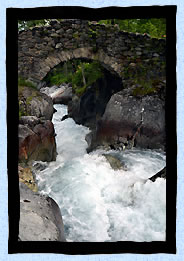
pixel 26 176
pixel 160 174
pixel 63 96
pixel 40 217
pixel 59 94
pixel 90 139
pixel 49 90
pixel 64 117
pixel 39 166
pixel 37 144
pixel 114 162
pixel 124 118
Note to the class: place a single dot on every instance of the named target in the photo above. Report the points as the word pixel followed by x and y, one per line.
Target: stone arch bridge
pixel 128 55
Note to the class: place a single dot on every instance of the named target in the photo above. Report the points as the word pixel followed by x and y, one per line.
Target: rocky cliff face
pixel 36 131
pixel 131 121
pixel 40 217
pixel 36 139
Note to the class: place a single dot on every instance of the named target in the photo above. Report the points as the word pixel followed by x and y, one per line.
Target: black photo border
pixel 86 248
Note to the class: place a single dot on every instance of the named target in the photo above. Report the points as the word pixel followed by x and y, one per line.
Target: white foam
pixel 98 203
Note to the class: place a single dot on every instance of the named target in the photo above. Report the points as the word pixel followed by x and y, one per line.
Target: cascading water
pixel 98 203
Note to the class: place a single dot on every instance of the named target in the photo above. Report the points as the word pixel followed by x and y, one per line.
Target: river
pixel 99 204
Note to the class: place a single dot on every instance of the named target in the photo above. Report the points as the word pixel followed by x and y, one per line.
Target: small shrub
pixel 80 91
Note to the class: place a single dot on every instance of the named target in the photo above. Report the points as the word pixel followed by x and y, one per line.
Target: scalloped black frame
pixel 12 17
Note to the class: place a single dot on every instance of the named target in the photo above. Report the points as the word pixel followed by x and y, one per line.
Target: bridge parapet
pixel 129 55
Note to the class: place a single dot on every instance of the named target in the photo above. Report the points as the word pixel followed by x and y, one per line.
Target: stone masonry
pixel 124 54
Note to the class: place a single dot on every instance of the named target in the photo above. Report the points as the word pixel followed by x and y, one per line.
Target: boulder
pixel 114 162
pixel 135 121
pixel 30 121
pixel 59 94
pixel 49 90
pixel 160 174
pixel 27 177
pixel 65 117
pixel 37 143
pixel 62 96
pixel 34 103
pixel 40 217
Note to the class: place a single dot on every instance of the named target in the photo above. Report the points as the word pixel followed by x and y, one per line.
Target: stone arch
pixel 127 55
pixel 80 53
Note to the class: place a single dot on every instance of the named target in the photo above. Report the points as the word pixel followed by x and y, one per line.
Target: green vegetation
pixel 21 110
pixel 92 72
pixel 24 25
pixel 60 74
pixel 144 89
pixel 79 74
pixel 23 82
pixel 155 27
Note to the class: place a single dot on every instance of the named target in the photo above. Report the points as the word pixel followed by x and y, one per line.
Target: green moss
pixel 143 90
pixel 23 82
pixel 76 35
pixel 93 33
pixel 29 99
pixel 59 79
pixel 22 112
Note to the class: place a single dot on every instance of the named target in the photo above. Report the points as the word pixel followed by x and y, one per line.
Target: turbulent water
pixel 98 203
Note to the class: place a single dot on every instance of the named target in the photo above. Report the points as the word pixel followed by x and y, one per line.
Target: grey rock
pixel 138 49
pixel 124 48
pixel 118 118
pixel 58 45
pixel 40 217
pixel 128 53
pixel 63 97
pixel 31 121
pixel 54 35
pixel 49 90
pixel 42 107
pixel 138 53
pixel 35 103
pixel 156 55
pixel 24 132
pixel 114 162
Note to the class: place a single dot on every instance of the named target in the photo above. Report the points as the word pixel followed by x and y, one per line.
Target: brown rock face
pixel 26 177
pixel 36 131
pixel 37 144
pixel 129 119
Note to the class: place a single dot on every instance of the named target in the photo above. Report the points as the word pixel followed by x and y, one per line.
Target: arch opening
pixel 92 87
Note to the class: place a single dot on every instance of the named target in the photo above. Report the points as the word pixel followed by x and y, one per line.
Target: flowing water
pixel 99 204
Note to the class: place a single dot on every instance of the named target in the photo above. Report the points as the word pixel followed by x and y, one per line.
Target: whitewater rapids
pixel 97 203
